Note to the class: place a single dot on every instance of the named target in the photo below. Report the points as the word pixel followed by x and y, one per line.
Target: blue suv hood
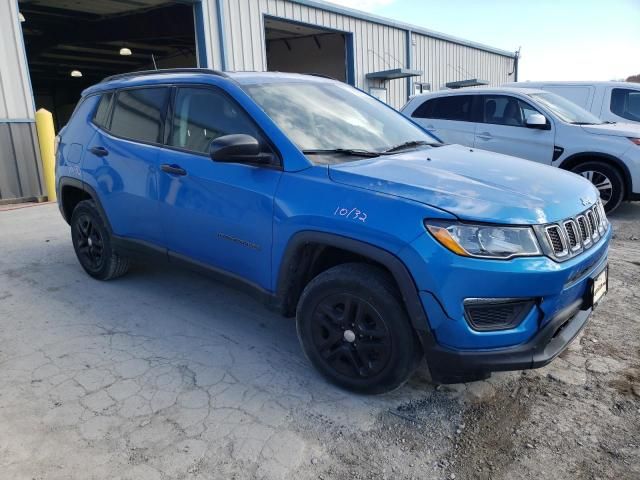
pixel 473 184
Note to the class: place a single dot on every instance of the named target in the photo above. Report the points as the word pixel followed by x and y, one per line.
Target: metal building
pixel 388 59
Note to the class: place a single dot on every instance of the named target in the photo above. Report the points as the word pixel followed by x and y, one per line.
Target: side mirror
pixel 536 120
pixel 238 148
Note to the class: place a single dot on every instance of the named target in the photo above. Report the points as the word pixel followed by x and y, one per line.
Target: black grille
pixel 572 234
pixel 555 237
pixel 500 315
pixel 570 237
pixel 596 215
pixel 584 230
pixel 592 222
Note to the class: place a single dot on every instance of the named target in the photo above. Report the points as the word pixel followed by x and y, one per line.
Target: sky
pixel 559 39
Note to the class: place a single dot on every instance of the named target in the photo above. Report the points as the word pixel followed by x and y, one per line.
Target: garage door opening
pixel 74 44
pixel 301 48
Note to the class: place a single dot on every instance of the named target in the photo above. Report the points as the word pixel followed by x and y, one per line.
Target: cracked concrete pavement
pixel 165 374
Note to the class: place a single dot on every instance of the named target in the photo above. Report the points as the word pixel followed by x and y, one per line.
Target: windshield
pixel 567 111
pixel 330 116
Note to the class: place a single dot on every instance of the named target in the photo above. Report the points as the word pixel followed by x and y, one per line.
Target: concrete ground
pixel 166 374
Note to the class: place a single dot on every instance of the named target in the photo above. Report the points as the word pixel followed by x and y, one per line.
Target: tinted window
pixel 138 113
pixel 101 116
pixel 425 110
pixel 505 110
pixel 201 115
pixel 455 107
pixel 626 103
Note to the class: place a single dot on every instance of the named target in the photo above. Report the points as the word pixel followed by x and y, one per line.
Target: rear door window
pixel 454 107
pixel 138 114
pixel 626 103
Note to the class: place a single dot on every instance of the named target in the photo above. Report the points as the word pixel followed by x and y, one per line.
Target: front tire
pixel 607 179
pixel 92 243
pixel 354 329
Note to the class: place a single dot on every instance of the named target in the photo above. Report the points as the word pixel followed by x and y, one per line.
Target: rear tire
pixel 607 179
pixel 92 243
pixel 354 329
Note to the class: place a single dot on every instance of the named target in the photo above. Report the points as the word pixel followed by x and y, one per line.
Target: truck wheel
pixel 354 329
pixel 92 243
pixel 607 180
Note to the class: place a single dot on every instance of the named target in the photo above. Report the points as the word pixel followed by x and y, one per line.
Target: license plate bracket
pixel 599 286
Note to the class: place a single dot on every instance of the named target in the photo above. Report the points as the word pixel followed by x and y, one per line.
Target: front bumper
pixel 456 352
pixel 455 366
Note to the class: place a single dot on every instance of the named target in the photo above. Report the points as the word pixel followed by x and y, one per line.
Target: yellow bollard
pixel 46 139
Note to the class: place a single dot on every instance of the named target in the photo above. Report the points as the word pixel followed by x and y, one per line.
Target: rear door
pixel 448 117
pixel 121 161
pixel 217 213
pixel 503 129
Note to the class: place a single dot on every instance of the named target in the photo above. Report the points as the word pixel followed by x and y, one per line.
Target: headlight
pixel 485 241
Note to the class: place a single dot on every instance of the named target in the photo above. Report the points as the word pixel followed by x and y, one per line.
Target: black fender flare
pixel 399 271
pixel 574 160
pixel 85 187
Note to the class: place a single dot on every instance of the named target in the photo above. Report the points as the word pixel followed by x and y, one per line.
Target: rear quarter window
pixel 101 116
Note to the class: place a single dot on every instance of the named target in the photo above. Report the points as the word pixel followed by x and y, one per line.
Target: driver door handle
pixel 173 169
pixel 484 136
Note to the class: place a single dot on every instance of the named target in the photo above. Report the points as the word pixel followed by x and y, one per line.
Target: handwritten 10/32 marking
pixel 352 214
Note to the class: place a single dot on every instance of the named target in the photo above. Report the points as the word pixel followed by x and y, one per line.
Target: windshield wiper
pixel 585 123
pixel 409 144
pixel 354 152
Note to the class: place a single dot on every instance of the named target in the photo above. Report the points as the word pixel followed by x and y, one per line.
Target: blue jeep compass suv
pixel 385 244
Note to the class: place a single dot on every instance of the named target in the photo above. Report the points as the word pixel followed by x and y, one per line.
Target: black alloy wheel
pixel 89 243
pixel 92 243
pixel 353 327
pixel 351 335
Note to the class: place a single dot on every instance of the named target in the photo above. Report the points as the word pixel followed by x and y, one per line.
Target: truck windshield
pixel 565 109
pixel 330 119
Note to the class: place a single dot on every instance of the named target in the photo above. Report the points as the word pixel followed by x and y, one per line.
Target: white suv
pixel 609 101
pixel 539 126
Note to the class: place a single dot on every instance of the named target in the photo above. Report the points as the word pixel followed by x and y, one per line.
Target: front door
pixel 503 129
pixel 219 214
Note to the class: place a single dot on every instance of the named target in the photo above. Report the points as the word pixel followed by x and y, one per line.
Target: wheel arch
pixel 71 191
pixel 578 158
pixel 298 259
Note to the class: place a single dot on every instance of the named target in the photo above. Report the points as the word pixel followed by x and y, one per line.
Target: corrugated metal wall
pixel 20 172
pixel 16 99
pixel 443 61
pixel 376 47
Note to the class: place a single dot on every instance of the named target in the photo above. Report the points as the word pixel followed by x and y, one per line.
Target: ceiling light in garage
pixel 21 17
pixel 76 73
pixel 125 51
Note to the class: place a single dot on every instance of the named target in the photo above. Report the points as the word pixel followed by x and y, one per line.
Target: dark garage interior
pixel 72 44
pixel 301 48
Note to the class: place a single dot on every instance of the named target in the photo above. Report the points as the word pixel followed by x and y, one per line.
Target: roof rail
pixel 163 71
pixel 321 75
